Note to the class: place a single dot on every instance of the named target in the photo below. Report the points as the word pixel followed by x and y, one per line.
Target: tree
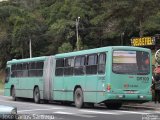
pixel 66 47
pixel 51 25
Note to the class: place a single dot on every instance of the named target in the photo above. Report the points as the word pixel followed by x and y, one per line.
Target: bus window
pixel 32 69
pixel 91 67
pixel 143 62
pixel 7 74
pixel 101 63
pixel 39 68
pixel 59 67
pixel 25 70
pixel 130 62
pixel 19 70
pixel 79 68
pixel 13 70
pixel 69 65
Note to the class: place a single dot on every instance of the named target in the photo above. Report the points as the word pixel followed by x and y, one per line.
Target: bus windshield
pixel 131 62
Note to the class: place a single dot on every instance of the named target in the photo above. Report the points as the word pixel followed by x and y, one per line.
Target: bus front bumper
pixel 129 97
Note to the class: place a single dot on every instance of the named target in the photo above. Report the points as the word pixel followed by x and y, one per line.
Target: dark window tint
pixel 13 70
pixel 39 73
pixel 7 74
pixel 32 65
pixel 131 62
pixel 68 71
pixel 92 59
pixel 25 70
pixel 13 67
pixel 36 69
pixel 14 73
pixel 59 71
pixel 39 68
pixel 79 68
pixel 59 67
pixel 60 63
pixel 19 67
pixel 39 65
pixel 101 63
pixel 32 69
pixel 91 67
pixel 69 64
pixel 77 61
pixel 25 66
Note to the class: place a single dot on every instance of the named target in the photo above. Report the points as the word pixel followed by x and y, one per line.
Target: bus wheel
pixel 78 98
pixel 113 105
pixel 36 95
pixel 13 93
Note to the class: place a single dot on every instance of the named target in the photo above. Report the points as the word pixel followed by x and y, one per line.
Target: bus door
pixel 101 80
pixel 91 78
pixel 48 77
pixel 15 78
pixel 58 83
pixel 7 81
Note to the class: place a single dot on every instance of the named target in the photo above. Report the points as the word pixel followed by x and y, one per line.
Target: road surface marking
pixel 65 113
pixel 131 112
pixel 33 104
pixel 73 114
pixel 99 112
pixel 37 110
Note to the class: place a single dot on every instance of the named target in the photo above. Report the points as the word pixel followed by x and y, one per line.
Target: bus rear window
pixel 131 62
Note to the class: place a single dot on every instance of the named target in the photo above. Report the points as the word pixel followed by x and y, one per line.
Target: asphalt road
pixel 27 109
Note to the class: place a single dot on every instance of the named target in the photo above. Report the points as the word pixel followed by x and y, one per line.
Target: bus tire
pixel 13 94
pixel 78 98
pixel 36 95
pixel 113 105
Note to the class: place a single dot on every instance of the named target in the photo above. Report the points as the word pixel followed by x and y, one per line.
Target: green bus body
pixel 97 72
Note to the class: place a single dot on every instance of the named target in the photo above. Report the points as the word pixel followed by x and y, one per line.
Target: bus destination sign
pixel 143 41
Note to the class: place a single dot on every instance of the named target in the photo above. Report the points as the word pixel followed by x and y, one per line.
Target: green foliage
pixel 51 25
pixel 79 45
pixel 66 47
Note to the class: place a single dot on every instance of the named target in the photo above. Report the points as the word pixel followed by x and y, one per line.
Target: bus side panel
pixel 101 86
pixel 7 89
pixel 58 88
pixel 70 83
pixel 26 87
pixel 68 88
pixel 90 88
pixel 15 82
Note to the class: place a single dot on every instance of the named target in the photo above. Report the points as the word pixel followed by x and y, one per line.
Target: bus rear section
pixel 130 79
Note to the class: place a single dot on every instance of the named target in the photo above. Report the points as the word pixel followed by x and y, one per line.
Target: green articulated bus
pixel 110 75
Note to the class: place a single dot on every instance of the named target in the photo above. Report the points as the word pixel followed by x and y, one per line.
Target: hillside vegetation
pixel 2 77
pixel 51 25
